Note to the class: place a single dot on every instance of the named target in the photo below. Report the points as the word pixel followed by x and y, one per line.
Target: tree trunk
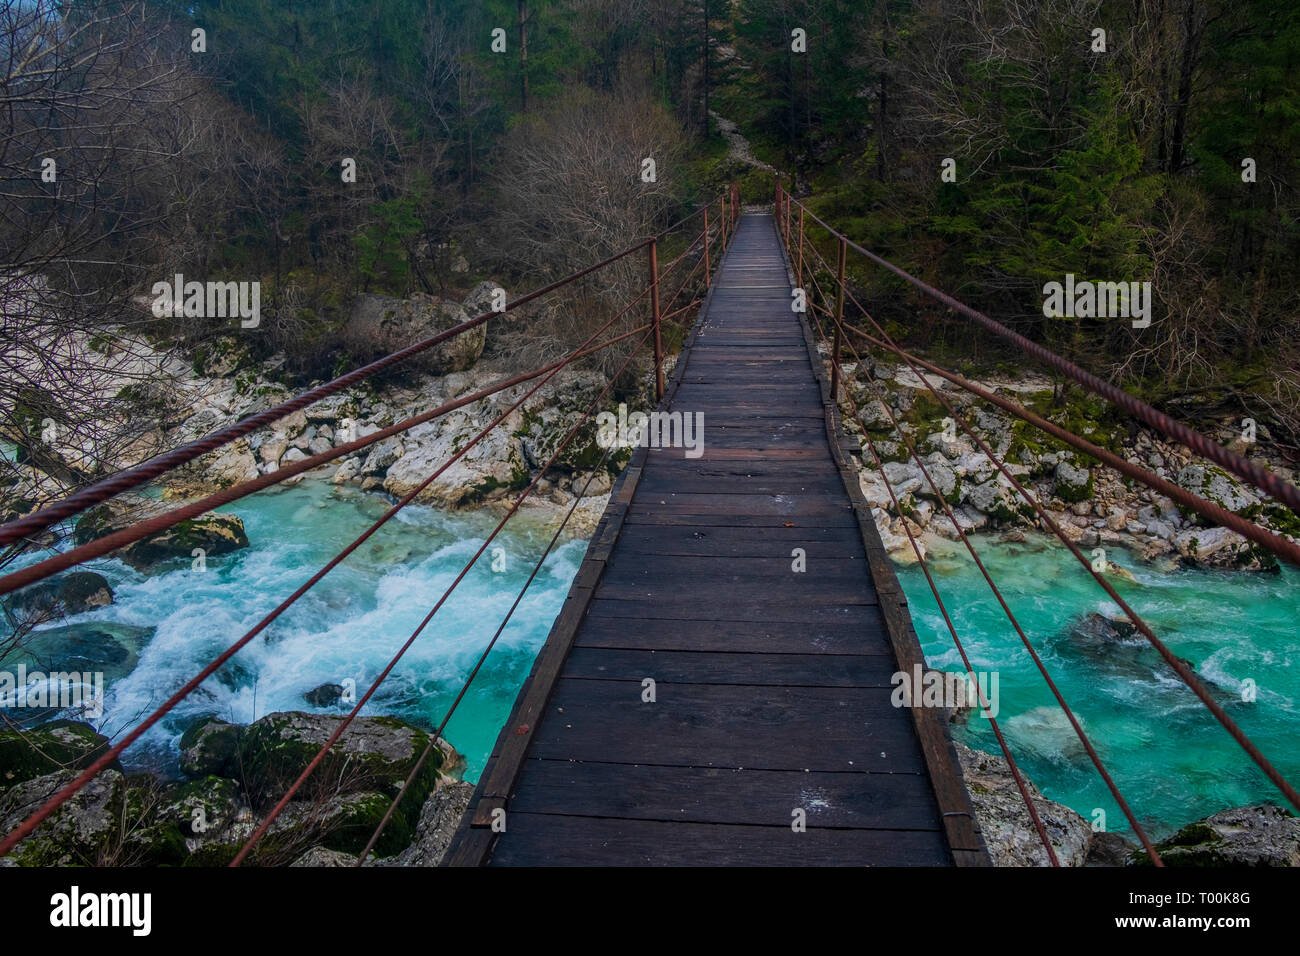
pixel 1191 45
pixel 705 11
pixel 523 56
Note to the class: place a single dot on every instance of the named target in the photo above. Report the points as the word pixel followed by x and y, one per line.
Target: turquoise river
pixel 1171 759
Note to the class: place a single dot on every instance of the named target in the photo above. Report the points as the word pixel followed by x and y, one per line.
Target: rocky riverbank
pixel 1094 506
pixel 1097 509
pixel 1258 835
pixel 222 385
pixel 231 777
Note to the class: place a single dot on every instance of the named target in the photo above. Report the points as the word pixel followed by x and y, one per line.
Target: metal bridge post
pixel 788 213
pixel 654 310
pixel 706 247
pixel 722 225
pixel 798 269
pixel 839 321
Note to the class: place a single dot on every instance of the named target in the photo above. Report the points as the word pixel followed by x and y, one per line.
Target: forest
pixel 989 146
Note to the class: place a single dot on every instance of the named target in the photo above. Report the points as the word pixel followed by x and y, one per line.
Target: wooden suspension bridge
pixel 718 686
pixel 698 697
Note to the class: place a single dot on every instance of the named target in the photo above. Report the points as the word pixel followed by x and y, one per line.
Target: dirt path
pixel 740 150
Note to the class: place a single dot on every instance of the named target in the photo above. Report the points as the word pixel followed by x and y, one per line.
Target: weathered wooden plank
pixel 729 667
pixel 540 839
pixel 755 592
pixel 776 637
pixel 709 795
pixel 731 542
pixel 704 518
pixel 709 571
pixel 722 725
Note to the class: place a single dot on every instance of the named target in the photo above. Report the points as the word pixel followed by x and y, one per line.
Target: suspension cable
pixel 1181 669
pixel 118 539
pixel 943 610
pixel 75 785
pixel 1260 477
pixel 997 593
pixel 361 702
pixel 159 465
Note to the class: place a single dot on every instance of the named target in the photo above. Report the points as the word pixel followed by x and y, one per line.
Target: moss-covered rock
pixel 213 534
pixel 209 747
pixel 83 831
pixel 1260 835
pixel 222 357
pixel 73 593
pixel 351 820
pixel 58 745
pixel 216 534
pixel 374 753
pixel 203 806
pixel 380 324
pixel 1218 486
pixel 1073 483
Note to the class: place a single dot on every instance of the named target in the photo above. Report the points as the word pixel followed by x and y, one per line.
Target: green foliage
pixel 383 247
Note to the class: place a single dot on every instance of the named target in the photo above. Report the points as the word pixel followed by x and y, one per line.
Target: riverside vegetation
pixel 1131 168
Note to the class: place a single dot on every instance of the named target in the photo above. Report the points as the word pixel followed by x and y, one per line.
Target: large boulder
pixel 1220 548
pixel 83 831
pixel 438 821
pixel 1073 483
pixel 73 593
pixel 381 324
pixel 491 468
pixel 374 753
pixel 1218 486
pixel 210 746
pixel 216 533
pixel 1009 831
pixel 342 803
pixel 59 745
pixel 995 498
pixel 1261 835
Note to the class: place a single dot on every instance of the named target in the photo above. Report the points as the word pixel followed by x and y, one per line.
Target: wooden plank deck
pixel 772 687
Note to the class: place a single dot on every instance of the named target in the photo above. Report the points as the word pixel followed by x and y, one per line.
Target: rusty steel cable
pixel 143 529
pixel 1280 546
pixel 1260 477
pixel 997 593
pixel 76 784
pixel 347 720
pixel 159 465
pixel 1184 673
pixel 433 740
pixel 22 528
pixel 943 610
pixel 270 818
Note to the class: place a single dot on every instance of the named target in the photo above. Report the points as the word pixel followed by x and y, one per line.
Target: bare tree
pixel 86 91
pixel 587 178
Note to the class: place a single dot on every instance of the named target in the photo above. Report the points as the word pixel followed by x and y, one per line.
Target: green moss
pixel 361 817
pixel 1283 519
pixel 216 854
pixel 1072 494
pixel 58 745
